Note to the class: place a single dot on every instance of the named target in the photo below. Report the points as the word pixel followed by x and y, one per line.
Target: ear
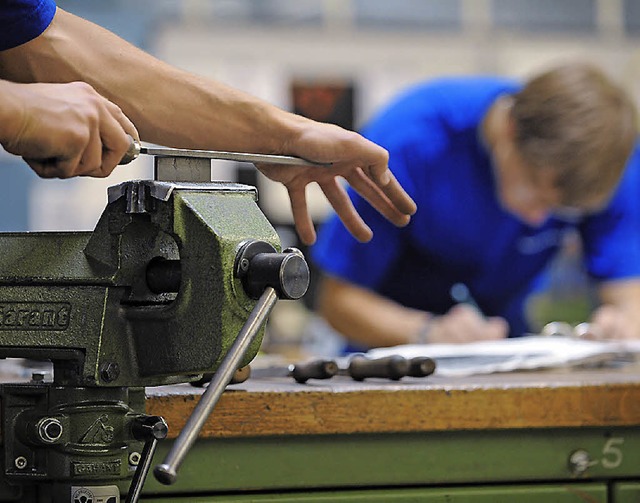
pixel 504 128
pixel 510 127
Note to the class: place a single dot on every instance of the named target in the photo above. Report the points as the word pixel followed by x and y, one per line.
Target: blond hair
pixel 576 121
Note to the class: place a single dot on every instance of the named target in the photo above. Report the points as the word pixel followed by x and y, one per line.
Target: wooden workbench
pixel 279 406
pixel 432 439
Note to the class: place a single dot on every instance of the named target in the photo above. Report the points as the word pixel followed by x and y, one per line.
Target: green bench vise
pixel 175 282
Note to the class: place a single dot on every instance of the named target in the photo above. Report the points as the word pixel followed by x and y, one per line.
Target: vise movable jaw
pixel 153 296
pixel 157 294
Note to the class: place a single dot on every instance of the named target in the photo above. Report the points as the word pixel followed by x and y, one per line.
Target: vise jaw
pixel 150 297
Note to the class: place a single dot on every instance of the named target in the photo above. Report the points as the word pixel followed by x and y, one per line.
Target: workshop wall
pixel 375 47
pixel 381 47
pixel 369 49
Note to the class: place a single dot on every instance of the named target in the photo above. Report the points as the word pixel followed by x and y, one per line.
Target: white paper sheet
pixel 506 355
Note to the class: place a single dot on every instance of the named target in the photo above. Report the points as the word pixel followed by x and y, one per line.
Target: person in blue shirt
pixel 500 170
pixel 71 94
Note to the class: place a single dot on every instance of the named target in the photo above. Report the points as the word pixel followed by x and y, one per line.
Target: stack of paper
pixel 522 353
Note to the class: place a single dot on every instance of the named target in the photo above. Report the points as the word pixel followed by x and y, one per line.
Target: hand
pixel 464 323
pixel 64 130
pixel 612 322
pixel 360 162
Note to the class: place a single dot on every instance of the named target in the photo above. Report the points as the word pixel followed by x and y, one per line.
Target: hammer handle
pixel 390 367
pixel 316 369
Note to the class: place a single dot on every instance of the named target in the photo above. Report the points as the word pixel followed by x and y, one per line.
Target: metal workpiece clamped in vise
pixel 175 282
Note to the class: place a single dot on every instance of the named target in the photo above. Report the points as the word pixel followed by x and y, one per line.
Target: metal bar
pixel 142 471
pixel 229 156
pixel 167 471
pixel 182 169
pixel 135 149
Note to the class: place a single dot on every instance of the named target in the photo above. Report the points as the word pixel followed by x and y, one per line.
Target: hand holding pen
pixel 465 322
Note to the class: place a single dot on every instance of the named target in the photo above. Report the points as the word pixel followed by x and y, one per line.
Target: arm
pixel 611 244
pixel 176 108
pixel 619 315
pixel 368 318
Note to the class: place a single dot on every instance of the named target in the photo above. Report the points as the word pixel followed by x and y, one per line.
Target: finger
pixel 301 217
pixel 123 120
pixel 378 170
pixel 398 196
pixel 604 323
pixel 91 158
pixel 611 325
pixel 475 326
pixel 54 168
pixel 376 198
pixel 464 310
pixel 44 169
pixel 65 159
pixel 497 328
pixel 343 206
pixel 115 142
pixel 378 164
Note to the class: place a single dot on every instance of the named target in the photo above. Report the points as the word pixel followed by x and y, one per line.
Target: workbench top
pixel 540 399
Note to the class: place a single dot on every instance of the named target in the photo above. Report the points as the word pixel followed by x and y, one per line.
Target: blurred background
pixel 338 61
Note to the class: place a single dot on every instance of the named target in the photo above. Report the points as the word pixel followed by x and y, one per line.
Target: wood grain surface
pixel 279 406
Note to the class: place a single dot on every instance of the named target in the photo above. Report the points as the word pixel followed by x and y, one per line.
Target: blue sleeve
pixel 612 238
pixel 417 130
pixel 338 254
pixel 23 20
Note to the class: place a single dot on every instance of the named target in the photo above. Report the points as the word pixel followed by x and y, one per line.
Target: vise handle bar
pixel 166 472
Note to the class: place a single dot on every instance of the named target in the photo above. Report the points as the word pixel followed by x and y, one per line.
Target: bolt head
pixel 579 461
pixel 49 430
pixel 20 462
pixel 109 371
pixel 134 458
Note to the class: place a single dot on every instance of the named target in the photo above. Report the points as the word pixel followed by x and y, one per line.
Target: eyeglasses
pixel 570 213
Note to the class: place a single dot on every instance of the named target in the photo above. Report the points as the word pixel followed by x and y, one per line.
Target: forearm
pixel 10 111
pixel 150 91
pixel 367 318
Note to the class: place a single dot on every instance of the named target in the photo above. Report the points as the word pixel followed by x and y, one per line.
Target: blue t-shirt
pixel 460 233
pixel 23 20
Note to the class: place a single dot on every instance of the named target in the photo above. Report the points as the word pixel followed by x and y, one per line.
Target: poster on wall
pixel 321 99
pixel 324 100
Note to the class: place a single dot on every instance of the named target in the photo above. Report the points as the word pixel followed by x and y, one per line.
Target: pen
pixel 460 293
